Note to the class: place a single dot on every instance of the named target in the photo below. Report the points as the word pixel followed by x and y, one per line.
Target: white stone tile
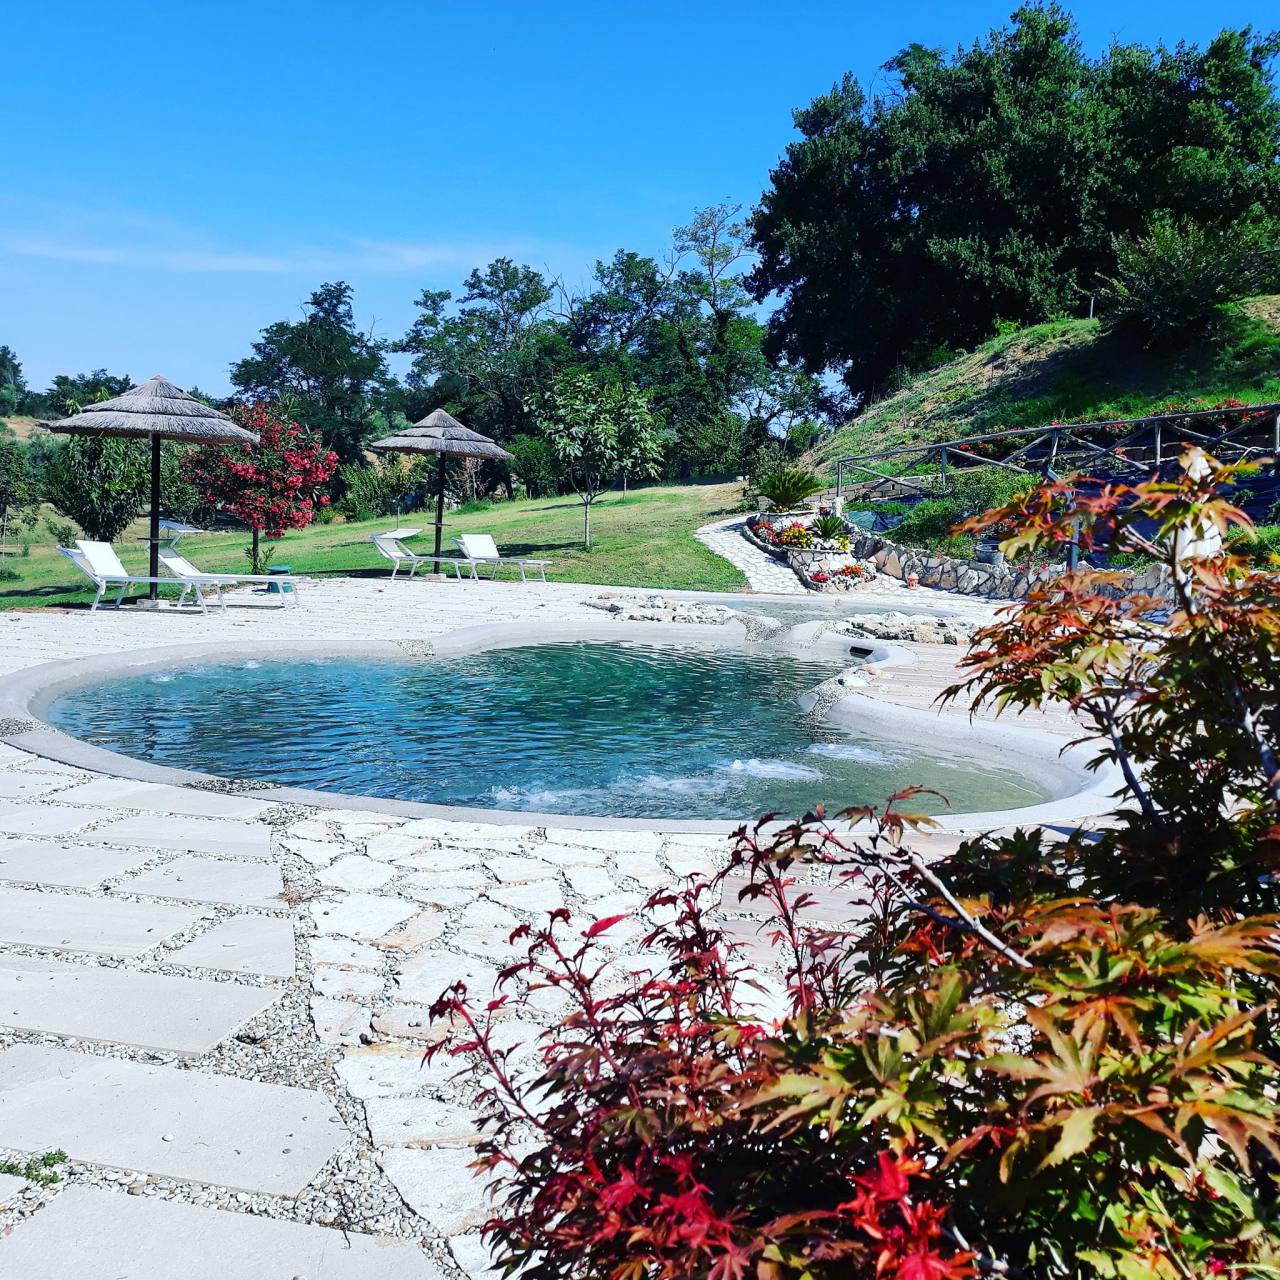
pixel 238 884
pixel 410 1022
pixel 181 1124
pixel 188 835
pixel 120 1006
pixel 389 1071
pixel 16 785
pixel 474 1256
pixel 356 873
pixel 518 870
pixel 339 1021
pixel 361 916
pixel 318 853
pixel 419 1122
pixel 488 915
pixel 342 951
pixel 346 984
pixel 543 896
pixel 426 975
pixel 637 841
pixel 42 820
pixel 425 927
pixel 436 894
pixel 589 882
pixel 93 1234
pixel 71 866
pixel 124 793
pixel 243 944
pixel 101 926
pixel 440 1185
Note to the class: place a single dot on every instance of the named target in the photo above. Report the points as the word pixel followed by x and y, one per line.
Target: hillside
pixel 1065 371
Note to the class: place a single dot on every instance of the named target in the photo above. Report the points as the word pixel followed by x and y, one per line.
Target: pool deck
pixel 215 1002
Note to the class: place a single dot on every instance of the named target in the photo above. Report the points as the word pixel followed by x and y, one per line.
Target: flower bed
pixel 821 564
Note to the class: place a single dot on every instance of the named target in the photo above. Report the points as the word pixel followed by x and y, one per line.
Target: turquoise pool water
pixel 612 729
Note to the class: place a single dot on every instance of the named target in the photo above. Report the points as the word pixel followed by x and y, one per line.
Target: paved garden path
pixel 763 572
pixel 216 1005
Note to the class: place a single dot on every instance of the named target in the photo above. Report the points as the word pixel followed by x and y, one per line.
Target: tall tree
pixel 991 184
pixel 13 387
pixel 485 359
pixel 321 369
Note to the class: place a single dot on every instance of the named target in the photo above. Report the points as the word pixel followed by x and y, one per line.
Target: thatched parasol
pixel 156 410
pixel 442 434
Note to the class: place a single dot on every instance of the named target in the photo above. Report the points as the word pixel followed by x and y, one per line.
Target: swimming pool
pixel 615 729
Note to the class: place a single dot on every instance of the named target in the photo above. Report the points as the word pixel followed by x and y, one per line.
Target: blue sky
pixel 179 175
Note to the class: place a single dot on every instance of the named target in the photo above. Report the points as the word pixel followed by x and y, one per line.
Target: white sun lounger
pixel 100 564
pixel 391 545
pixel 184 571
pixel 480 548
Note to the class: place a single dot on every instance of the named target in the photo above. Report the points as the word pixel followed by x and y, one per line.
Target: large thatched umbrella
pixel 442 434
pixel 156 410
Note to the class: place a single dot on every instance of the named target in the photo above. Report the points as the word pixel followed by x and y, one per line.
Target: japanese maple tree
pixel 272 486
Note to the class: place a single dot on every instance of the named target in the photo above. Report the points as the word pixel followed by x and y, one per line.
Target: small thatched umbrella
pixel 156 410
pixel 442 434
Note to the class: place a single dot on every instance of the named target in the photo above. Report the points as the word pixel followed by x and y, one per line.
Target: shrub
pixel 1174 280
pixel 270 486
pixel 787 487
pixel 534 461
pixel 1045 1055
pixel 385 487
pixel 100 482
pixel 829 527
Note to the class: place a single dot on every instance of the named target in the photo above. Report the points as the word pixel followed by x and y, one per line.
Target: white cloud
pixel 128 239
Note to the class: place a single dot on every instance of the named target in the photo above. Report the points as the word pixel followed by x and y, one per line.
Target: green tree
pixel 101 482
pixel 321 369
pixel 488 358
pixel 15 479
pixel 991 184
pixel 12 386
pixel 69 393
pixel 588 425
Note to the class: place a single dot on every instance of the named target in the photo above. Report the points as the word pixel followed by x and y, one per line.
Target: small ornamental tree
pixel 1043 1056
pixel 270 486
pixel 595 431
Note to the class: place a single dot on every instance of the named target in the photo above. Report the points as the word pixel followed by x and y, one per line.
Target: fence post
pixel 1275 435
pixel 1159 443
pixel 942 469
pixel 839 476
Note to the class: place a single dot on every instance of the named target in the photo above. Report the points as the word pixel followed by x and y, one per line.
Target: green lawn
pixel 643 540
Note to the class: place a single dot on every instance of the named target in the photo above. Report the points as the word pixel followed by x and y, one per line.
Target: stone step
pixel 244 944
pixel 32 862
pixel 193 879
pixel 158 798
pixel 121 1006
pixel 42 820
pixel 191 835
pixel 183 1124
pixel 101 926
pixel 90 1234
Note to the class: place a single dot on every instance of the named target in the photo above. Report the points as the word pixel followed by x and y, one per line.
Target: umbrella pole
pixel 439 507
pixel 154 570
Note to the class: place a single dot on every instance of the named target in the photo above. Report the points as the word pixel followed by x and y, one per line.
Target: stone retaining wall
pixel 947 573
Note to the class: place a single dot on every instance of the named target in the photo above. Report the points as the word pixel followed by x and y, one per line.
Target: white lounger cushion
pixel 102 559
pixel 478 546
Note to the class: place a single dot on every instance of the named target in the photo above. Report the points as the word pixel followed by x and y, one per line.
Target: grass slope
pixel 643 540
pixel 1067 371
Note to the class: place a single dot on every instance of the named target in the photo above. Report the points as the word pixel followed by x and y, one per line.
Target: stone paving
pixel 216 1006
pixel 763 572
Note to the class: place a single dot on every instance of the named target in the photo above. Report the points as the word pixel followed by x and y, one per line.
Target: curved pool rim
pixel 26 695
